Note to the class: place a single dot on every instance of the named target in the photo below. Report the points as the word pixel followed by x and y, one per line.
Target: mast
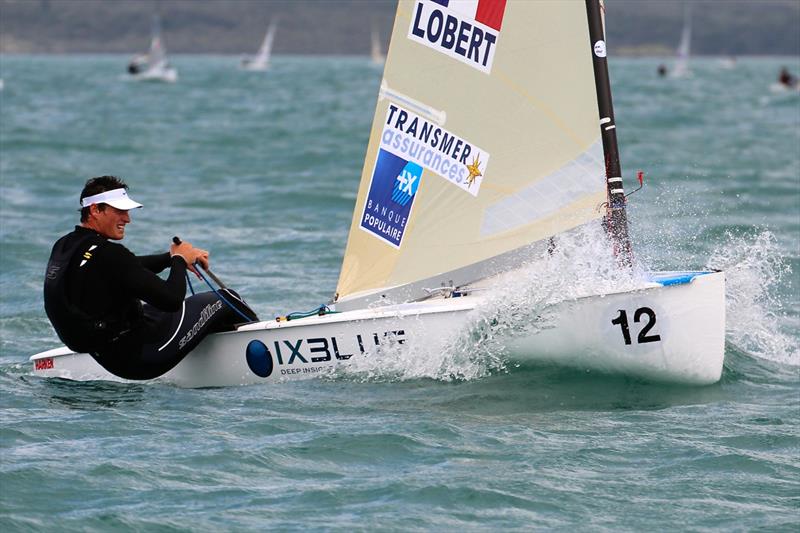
pixel 616 217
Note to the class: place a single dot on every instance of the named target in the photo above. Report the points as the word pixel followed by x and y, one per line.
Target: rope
pixel 319 311
pixel 245 317
pixel 189 282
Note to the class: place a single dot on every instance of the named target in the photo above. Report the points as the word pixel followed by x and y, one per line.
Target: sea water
pixel 262 170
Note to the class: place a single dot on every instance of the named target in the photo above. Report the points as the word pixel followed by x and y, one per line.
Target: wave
pixel 757 320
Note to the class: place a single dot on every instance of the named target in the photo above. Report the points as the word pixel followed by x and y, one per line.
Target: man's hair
pixel 96 186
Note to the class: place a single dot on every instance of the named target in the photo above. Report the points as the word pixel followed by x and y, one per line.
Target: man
pixel 94 288
pixel 784 78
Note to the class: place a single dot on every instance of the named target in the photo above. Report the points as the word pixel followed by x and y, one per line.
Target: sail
pixel 157 54
pixel 682 62
pixel 265 51
pixel 485 140
pixel 375 47
pixel 260 61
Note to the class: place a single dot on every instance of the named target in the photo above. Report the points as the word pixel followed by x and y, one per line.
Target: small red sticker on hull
pixel 44 364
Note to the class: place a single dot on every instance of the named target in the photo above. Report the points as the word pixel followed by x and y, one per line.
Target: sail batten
pixel 476 158
pixel 547 196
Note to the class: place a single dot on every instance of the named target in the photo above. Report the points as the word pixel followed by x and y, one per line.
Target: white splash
pixel 756 318
pixel 582 264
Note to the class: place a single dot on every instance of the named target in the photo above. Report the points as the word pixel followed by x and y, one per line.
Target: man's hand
pixel 190 255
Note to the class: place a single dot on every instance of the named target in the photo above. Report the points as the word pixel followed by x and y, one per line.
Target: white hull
pixel 673 333
pixel 781 88
pixel 158 74
pixel 681 71
pixel 254 66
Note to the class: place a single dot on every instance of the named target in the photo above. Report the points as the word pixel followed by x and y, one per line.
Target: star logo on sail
pixel 474 171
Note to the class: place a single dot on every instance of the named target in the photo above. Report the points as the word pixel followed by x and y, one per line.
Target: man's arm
pixel 141 283
pixel 155 263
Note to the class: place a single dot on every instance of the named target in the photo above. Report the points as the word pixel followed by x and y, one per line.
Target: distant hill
pixel 720 27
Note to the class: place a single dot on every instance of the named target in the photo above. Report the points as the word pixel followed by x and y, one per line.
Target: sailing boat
pixel 154 65
pixel 376 55
pixel 260 62
pixel 481 151
pixel 681 68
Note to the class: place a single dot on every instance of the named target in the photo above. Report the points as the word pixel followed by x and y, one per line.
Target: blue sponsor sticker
pixel 259 359
pixel 394 185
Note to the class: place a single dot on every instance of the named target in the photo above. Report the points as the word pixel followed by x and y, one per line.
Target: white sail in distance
pixel 376 55
pixel 261 60
pixel 684 47
pixel 157 54
pixel 501 148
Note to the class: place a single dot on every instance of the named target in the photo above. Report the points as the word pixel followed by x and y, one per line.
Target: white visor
pixel 116 198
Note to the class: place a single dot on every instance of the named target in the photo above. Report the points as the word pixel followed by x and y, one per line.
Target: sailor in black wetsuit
pixel 786 79
pixel 94 289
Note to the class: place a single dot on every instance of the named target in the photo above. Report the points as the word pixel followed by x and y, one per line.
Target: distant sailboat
pixel 154 65
pixel 260 61
pixel 787 83
pixel 375 50
pixel 682 62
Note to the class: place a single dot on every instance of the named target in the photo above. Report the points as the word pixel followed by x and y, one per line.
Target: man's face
pixel 110 222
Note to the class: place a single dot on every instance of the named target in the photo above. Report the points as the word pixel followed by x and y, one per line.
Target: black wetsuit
pixel 94 291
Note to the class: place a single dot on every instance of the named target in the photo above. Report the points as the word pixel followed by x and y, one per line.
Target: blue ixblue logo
pixel 292 356
pixel 394 185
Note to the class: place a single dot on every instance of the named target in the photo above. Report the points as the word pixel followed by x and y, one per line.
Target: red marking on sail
pixel 490 12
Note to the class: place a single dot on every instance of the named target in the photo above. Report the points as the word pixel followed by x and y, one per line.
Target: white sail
pixel 376 55
pixel 262 58
pixel 519 158
pixel 684 48
pixel 157 55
